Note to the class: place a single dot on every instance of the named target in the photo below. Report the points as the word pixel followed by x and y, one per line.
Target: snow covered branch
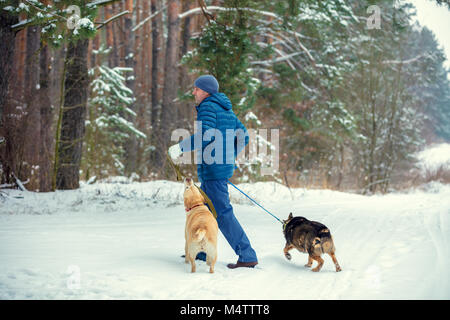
pixel 216 8
pixel 19 183
pixel 100 3
pixel 25 23
pixel 304 48
pixel 283 57
pixel 102 24
pixel 282 39
pixel 48 15
pixel 405 61
pixel 149 18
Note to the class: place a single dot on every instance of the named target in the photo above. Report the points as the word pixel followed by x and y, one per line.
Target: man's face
pixel 199 95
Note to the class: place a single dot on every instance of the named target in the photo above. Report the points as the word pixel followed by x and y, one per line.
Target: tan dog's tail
pixel 199 234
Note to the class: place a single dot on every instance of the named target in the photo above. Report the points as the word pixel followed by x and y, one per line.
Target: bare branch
pixel 149 18
pixel 283 57
pixel 19 183
pixel 102 24
pixel 304 49
pixel 100 3
pixel 405 61
pixel 216 8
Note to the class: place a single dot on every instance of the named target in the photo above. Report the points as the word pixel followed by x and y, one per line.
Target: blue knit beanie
pixel 207 83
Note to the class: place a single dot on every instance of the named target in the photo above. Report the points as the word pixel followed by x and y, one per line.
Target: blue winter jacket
pixel 219 135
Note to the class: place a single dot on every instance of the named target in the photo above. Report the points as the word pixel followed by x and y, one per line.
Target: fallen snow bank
pixel 123 195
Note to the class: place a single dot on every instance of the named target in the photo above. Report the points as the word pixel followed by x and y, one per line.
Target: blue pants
pixel 217 191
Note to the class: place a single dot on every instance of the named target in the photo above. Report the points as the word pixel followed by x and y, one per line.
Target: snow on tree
pixel 59 20
pixel 107 127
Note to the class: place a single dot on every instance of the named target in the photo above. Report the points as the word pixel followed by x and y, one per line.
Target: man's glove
pixel 175 152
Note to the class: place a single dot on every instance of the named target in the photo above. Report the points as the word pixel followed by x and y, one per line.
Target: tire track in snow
pixel 436 225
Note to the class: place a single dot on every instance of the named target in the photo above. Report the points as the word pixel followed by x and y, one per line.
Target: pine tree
pixel 7 161
pixel 169 112
pixel 108 126
pixel 303 91
pixel 225 49
pixel 65 22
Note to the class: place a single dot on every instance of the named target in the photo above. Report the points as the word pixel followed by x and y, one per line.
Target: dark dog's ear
pixel 290 216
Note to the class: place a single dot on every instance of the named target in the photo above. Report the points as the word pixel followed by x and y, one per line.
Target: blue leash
pixel 255 202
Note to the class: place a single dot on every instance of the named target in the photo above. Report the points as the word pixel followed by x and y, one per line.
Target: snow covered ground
pixel 124 241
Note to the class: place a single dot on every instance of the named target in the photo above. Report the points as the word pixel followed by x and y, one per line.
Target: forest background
pixel 93 89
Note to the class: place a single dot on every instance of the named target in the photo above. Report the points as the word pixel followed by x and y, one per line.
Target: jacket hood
pixel 221 99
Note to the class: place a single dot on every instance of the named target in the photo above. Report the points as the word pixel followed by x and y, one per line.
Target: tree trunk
pixel 109 35
pixel 73 116
pixel 32 128
pixel 186 83
pixel 341 166
pixel 114 55
pixel 131 144
pixel 169 114
pixel 6 54
pixel 156 74
pixel 6 63
pixel 143 68
pixel 46 141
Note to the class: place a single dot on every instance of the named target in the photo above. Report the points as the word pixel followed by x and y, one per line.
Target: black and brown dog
pixel 309 237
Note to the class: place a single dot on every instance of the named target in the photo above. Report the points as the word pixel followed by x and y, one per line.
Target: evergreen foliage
pixel 352 103
pixel 225 48
pixel 60 21
pixel 347 97
pixel 107 129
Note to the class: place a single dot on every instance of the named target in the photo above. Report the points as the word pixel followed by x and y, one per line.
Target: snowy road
pixel 113 241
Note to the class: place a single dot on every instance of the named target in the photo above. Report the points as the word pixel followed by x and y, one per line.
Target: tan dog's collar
pixel 197 205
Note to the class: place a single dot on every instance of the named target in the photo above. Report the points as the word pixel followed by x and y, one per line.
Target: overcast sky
pixel 437 19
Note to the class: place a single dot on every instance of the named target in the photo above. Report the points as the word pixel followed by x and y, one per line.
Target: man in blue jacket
pixel 218 142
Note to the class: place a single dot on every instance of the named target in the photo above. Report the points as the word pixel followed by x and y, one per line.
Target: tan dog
pixel 201 227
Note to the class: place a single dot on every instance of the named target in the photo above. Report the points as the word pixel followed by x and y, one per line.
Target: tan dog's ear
pixel 290 216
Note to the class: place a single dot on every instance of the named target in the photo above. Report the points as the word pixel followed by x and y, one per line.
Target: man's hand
pixel 175 152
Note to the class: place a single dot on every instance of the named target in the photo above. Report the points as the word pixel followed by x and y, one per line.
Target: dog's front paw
pixel 288 256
